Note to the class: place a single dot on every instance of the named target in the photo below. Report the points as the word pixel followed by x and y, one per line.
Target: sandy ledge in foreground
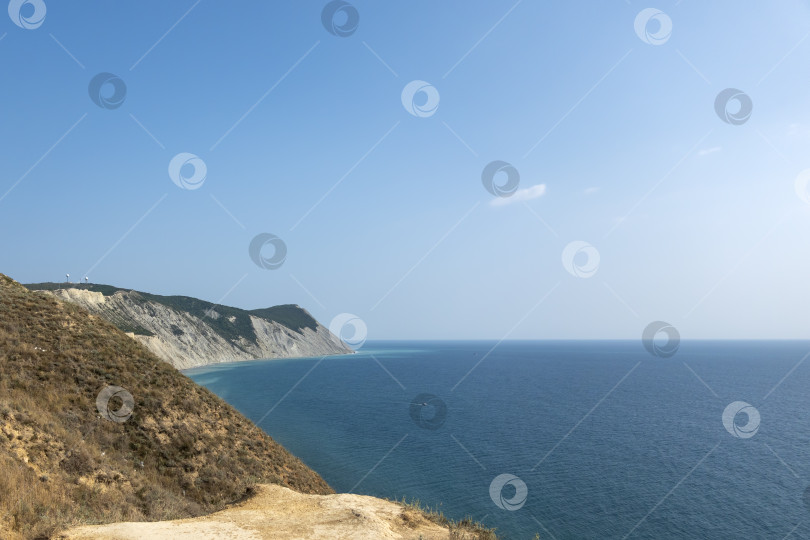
pixel 279 513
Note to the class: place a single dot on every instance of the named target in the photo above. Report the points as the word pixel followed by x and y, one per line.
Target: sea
pixel 561 439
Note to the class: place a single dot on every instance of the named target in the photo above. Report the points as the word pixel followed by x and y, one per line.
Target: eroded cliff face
pixel 186 340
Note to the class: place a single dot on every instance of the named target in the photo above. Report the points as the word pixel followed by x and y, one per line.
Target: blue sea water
pixel 609 441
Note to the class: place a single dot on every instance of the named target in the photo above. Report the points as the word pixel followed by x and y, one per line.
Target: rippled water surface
pixel 608 440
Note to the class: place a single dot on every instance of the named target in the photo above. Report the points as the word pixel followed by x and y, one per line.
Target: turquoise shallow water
pixel 608 440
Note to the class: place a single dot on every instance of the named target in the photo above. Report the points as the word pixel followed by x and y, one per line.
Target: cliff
pixel 188 332
pixel 94 428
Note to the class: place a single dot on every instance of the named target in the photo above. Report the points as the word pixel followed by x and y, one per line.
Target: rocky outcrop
pixel 207 333
pixel 278 513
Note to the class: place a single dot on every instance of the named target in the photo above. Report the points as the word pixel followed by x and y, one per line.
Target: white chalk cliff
pixel 192 338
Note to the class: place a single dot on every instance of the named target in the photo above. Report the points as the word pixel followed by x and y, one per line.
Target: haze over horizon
pixel 306 135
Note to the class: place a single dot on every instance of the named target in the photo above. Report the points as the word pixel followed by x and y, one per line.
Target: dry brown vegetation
pixel 182 453
pixel 464 529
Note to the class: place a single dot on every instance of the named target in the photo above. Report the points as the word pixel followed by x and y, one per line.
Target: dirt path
pixel 282 514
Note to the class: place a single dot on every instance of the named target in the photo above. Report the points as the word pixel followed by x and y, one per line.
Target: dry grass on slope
pixel 182 452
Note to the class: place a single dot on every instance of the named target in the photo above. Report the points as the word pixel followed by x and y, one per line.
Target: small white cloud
pixel 591 190
pixel 707 151
pixel 797 131
pixel 527 194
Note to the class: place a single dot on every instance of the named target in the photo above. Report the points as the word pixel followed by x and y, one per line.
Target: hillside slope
pixel 72 452
pixel 188 332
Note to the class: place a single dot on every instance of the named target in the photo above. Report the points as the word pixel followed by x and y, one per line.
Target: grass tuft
pixel 463 529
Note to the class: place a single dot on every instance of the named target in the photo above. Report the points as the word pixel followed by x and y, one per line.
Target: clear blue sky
pixel 696 221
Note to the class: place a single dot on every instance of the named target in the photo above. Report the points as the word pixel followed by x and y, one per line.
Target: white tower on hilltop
pixel 85 279
pixel 67 278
